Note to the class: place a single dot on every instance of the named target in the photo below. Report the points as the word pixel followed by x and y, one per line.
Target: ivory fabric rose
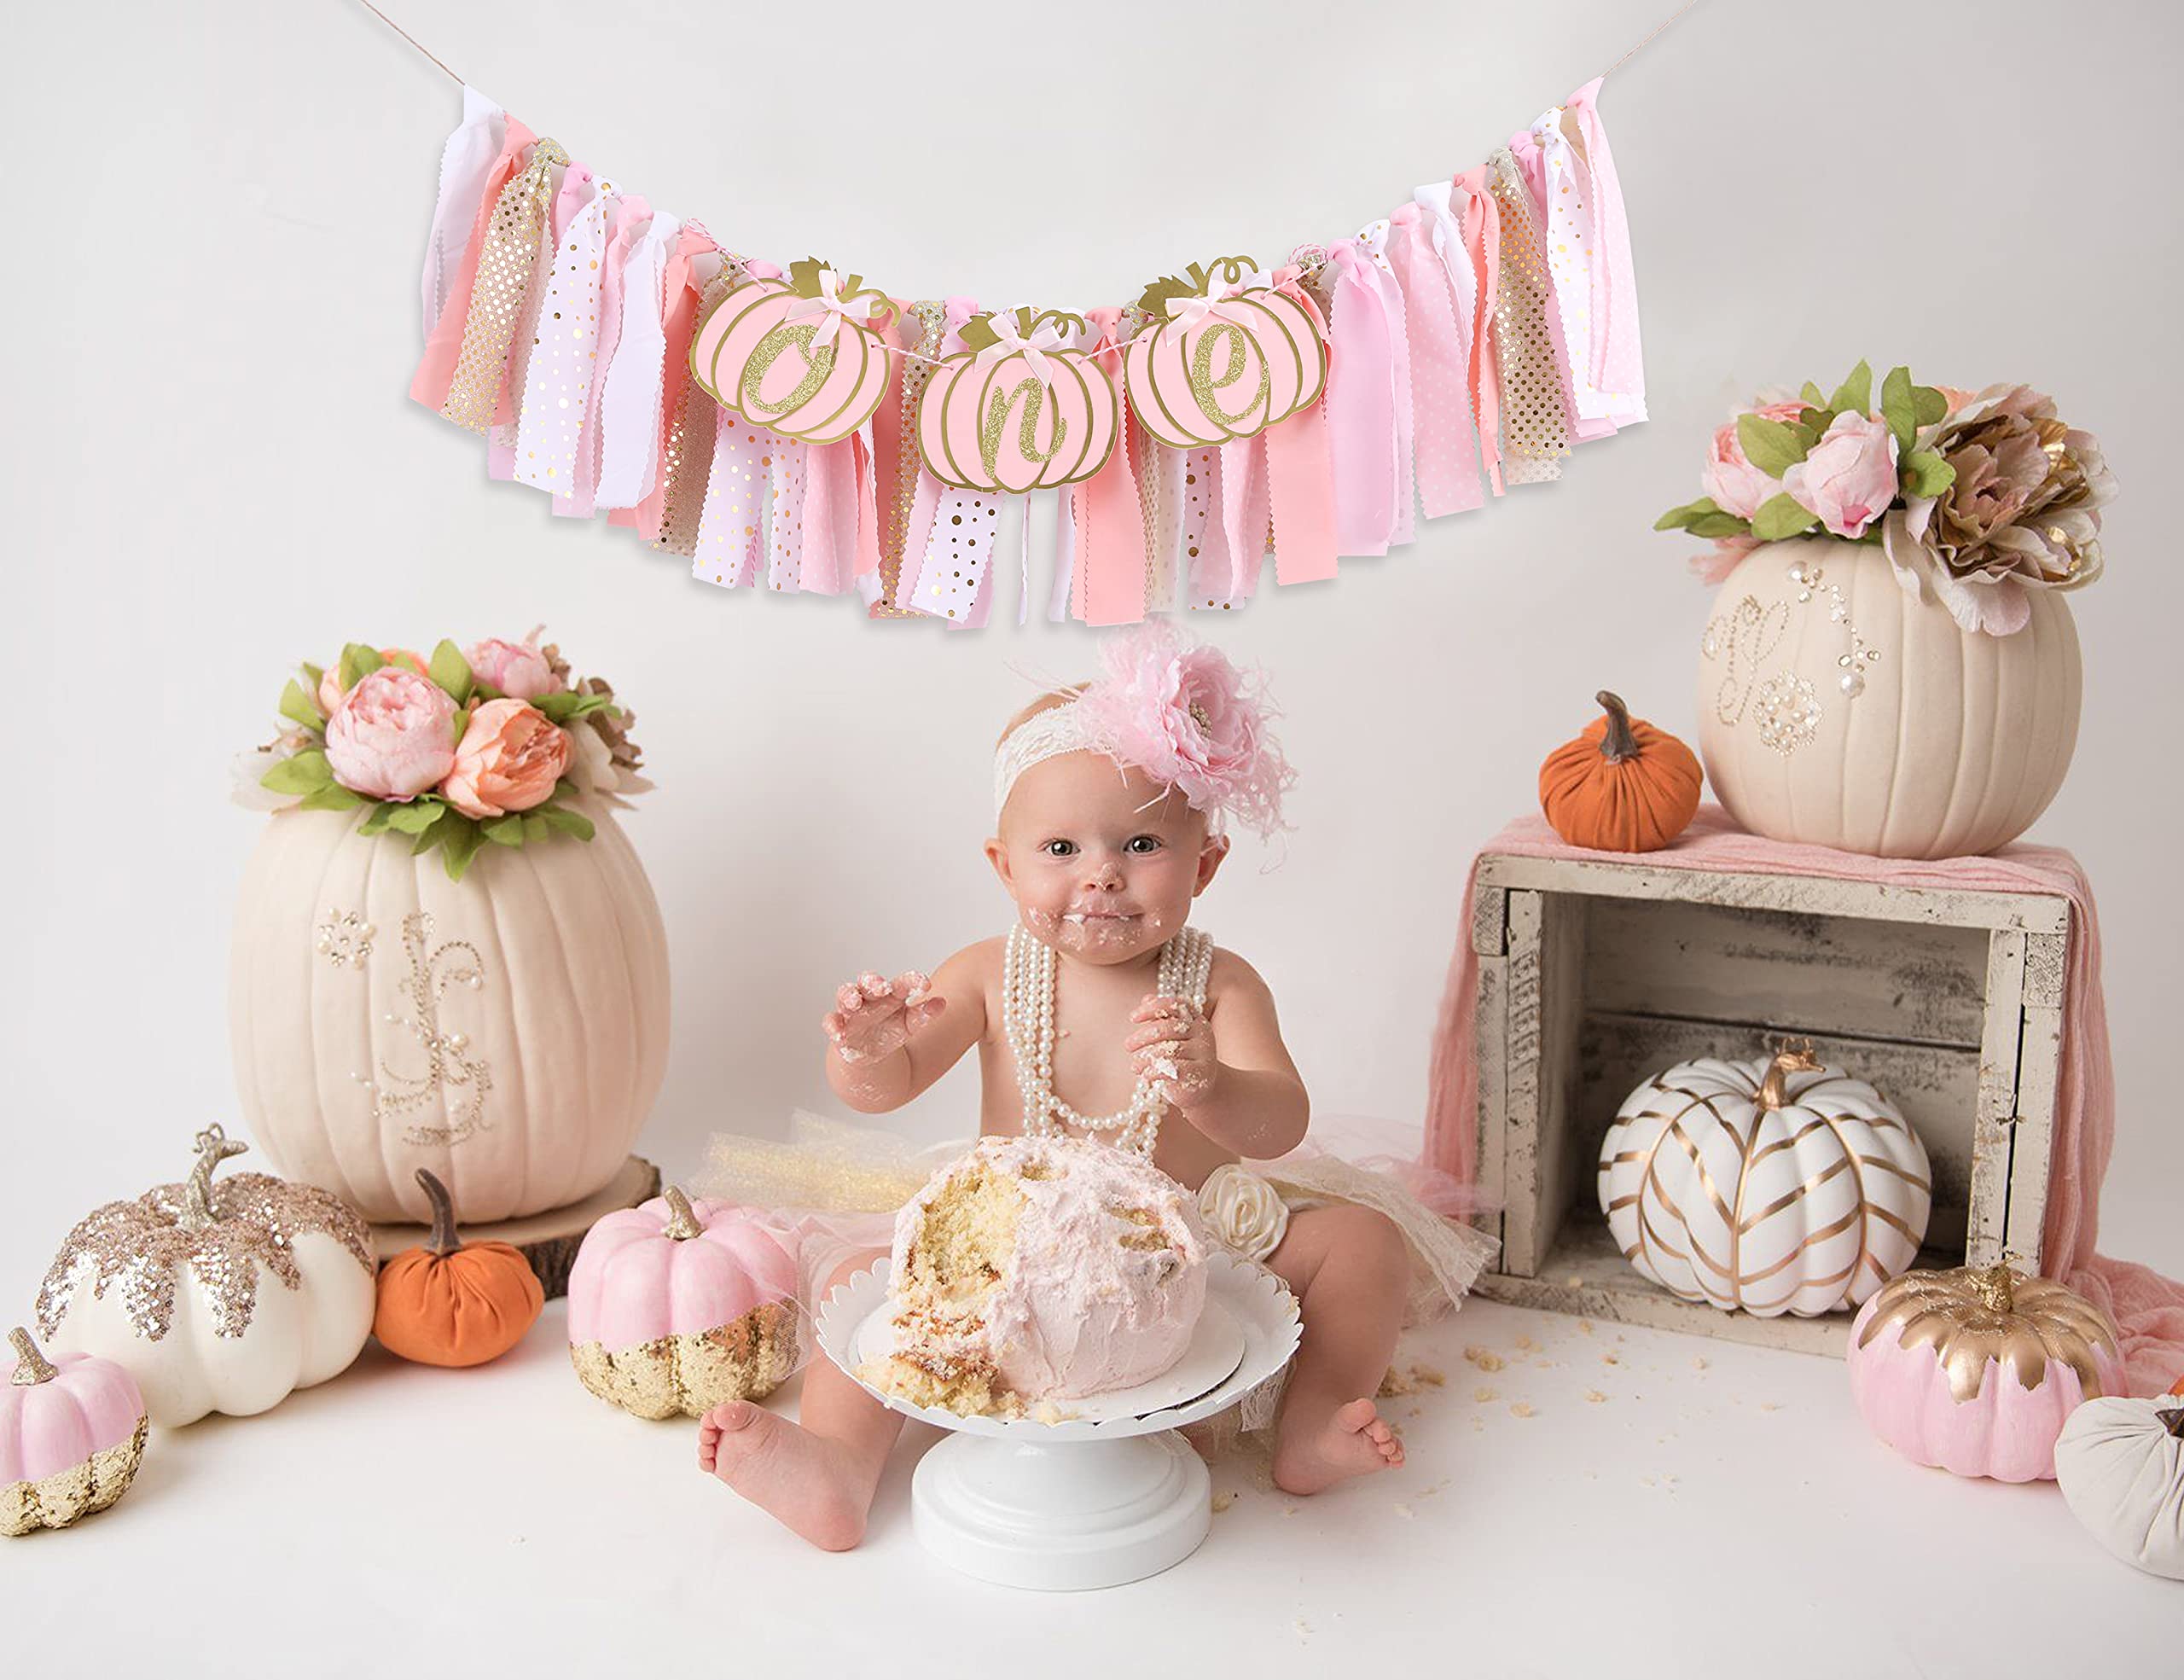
pixel 517 669
pixel 1737 486
pixel 329 683
pixel 509 759
pixel 393 736
pixel 1241 1209
pixel 1849 476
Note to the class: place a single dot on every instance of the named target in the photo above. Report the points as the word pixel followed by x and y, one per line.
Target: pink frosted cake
pixel 1039 1269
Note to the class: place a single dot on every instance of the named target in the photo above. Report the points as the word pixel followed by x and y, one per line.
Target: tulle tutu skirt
pixel 837 1187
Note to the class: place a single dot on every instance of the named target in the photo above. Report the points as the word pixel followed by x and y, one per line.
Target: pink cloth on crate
pixel 2147 1307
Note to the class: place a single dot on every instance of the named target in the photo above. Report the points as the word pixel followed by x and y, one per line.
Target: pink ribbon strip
pixel 444 347
pixel 1483 245
pixel 1361 408
pixel 1447 458
pixel 1110 546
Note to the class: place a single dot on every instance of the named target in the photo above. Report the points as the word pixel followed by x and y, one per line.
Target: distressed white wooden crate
pixel 1593 975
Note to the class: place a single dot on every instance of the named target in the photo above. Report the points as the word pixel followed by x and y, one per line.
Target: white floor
pixel 1608 1497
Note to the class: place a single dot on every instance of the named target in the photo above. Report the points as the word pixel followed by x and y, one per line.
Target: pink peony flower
pixel 329 684
pixel 393 736
pixel 1181 712
pixel 1737 486
pixel 509 759
pixel 1849 477
pixel 517 669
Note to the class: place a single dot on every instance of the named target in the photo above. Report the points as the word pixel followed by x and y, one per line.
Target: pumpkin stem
pixel 33 1367
pixel 682 1218
pixel 1618 743
pixel 213 1147
pixel 443 1240
pixel 1795 1057
pixel 1996 1288
pixel 2170 1418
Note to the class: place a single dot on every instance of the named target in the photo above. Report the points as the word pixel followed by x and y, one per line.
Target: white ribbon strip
pixel 466 160
pixel 1373 245
pixel 785 465
pixel 500 437
pixel 728 525
pixel 1570 256
pixel 628 409
pixel 957 554
pixel 564 362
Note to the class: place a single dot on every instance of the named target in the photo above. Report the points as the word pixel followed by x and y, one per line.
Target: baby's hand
pixel 1175 1044
pixel 878 1016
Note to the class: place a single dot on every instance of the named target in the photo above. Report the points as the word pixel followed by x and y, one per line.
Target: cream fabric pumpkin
pixel 507 1030
pixel 1952 744
pixel 2120 1463
pixel 1764 1186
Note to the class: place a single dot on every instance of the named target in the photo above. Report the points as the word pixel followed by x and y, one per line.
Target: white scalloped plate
pixel 1246 1305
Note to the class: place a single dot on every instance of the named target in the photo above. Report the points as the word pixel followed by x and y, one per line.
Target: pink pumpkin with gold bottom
pixel 675 1305
pixel 1976 1369
pixel 72 1434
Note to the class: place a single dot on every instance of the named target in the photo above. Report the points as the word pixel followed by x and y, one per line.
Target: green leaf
pixel 1925 474
pixel 431 838
pixel 1780 516
pixel 1716 525
pixel 377 819
pixel 504 830
pixel 1811 425
pixel 358 662
pixel 1769 445
pixel 568 706
pixel 1898 408
pixel 1932 406
pixel 568 821
pixel 313 674
pixel 299 707
pixel 1813 397
pixel 461 845
pixel 450 671
pixel 462 723
pixel 416 817
pixel 535 827
pixel 1856 394
pixel 1677 519
pixel 300 773
pixel 331 796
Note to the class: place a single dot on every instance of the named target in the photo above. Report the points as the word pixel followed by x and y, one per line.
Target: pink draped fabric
pixel 1483 244
pixel 2147 1307
pixel 1618 360
pixel 1110 581
pixel 444 348
pixel 684 293
pixel 1360 407
pixel 1447 465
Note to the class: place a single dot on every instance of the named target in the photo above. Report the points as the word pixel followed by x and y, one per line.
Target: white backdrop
pixel 213 471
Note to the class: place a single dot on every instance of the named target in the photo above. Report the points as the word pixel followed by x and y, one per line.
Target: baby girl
pixel 1110 800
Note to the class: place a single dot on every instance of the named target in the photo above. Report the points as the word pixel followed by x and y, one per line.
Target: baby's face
pixel 1102 862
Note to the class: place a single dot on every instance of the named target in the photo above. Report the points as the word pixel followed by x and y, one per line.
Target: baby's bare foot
pixel 805 1481
pixel 1315 1452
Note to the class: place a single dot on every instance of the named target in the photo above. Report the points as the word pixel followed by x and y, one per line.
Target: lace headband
pixel 1175 709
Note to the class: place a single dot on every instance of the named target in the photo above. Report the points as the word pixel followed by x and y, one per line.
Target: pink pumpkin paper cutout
pixel 997 425
pixel 759 356
pixel 1238 358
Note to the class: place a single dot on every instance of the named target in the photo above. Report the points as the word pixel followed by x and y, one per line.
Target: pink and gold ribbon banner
pixel 797 429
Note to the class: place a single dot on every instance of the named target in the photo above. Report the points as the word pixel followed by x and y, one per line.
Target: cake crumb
pixel 1584 1326
pixel 1048 1412
pixel 1303 1629
pixel 1289 1510
pixel 1430 1376
pixel 1698 1365
pixel 1610 1359
pixel 1485 1358
pixel 1526 1344
pixel 1769 1406
pixel 1415 1411
pixel 1222 1501
pixel 1595 1396
pixel 1394 1382
pixel 1483 1394
pixel 1402 1510
pixel 1518 1409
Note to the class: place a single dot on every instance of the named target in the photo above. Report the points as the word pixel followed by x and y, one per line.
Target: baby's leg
pixel 817 1475
pixel 1350 1269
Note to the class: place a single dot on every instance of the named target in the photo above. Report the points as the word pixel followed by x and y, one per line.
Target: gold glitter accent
pixel 221 1235
pixel 1027 430
pixel 1535 429
pixel 817 364
pixel 691 433
pixel 895 525
pixel 505 263
pixel 1972 1315
pixel 746 1359
pixel 63 1498
pixel 1241 352
pixel 449 1065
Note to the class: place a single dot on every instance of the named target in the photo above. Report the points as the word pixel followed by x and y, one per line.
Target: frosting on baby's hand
pixel 876 1017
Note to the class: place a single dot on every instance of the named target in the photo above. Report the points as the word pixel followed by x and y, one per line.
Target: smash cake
pixel 1039 1269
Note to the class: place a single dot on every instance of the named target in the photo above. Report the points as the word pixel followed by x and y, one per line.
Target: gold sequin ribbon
pixel 688 462
pixel 1535 432
pixel 496 298
pixel 895 533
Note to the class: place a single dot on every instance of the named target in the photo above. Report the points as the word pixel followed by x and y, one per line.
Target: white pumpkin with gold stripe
pixel 1768 1186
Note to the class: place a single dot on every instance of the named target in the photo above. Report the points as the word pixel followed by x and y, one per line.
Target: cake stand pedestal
pixel 1109 1494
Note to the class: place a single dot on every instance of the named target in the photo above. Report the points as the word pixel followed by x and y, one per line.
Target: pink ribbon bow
pixel 830 303
pixel 1006 341
pixel 1187 312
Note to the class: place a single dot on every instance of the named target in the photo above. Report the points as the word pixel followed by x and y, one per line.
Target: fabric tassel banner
pixel 770 424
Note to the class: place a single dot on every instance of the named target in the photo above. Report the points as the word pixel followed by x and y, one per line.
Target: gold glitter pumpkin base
pixel 67 1495
pixel 746 1359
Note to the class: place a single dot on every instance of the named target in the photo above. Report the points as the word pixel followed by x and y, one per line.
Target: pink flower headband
pixel 1175 709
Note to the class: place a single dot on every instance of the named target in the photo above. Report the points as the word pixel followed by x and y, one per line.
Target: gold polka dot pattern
pixel 1535 432
pixel 498 295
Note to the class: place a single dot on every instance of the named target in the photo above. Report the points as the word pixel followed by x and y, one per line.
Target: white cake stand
pixel 1110 1493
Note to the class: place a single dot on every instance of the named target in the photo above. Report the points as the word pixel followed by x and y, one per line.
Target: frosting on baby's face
pixel 1102 861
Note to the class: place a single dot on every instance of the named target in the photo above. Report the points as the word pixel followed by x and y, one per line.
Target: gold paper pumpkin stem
pixel 443 1241
pixel 33 1367
pixel 682 1220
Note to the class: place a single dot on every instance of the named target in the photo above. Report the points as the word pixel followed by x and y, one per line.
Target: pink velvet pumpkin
pixel 1976 1369
pixel 675 1306
pixel 72 1433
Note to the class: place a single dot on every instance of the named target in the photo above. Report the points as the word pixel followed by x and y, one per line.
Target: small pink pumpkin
pixel 675 1305
pixel 72 1434
pixel 1976 1369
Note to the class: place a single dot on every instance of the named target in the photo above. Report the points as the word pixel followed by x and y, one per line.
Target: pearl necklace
pixel 1027 992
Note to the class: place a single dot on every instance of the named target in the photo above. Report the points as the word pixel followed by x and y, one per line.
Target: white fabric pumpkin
pixel 507 1030
pixel 1954 743
pixel 215 1297
pixel 2120 1462
pixel 1767 1186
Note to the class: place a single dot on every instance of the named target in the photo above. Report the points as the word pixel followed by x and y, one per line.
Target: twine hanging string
pixel 1630 53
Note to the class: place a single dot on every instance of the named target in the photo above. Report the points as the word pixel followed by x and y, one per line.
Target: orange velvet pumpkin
pixel 1621 786
pixel 455 1303
pixel 2179 1388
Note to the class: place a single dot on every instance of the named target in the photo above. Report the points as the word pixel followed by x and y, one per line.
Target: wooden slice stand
pixel 548 1240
